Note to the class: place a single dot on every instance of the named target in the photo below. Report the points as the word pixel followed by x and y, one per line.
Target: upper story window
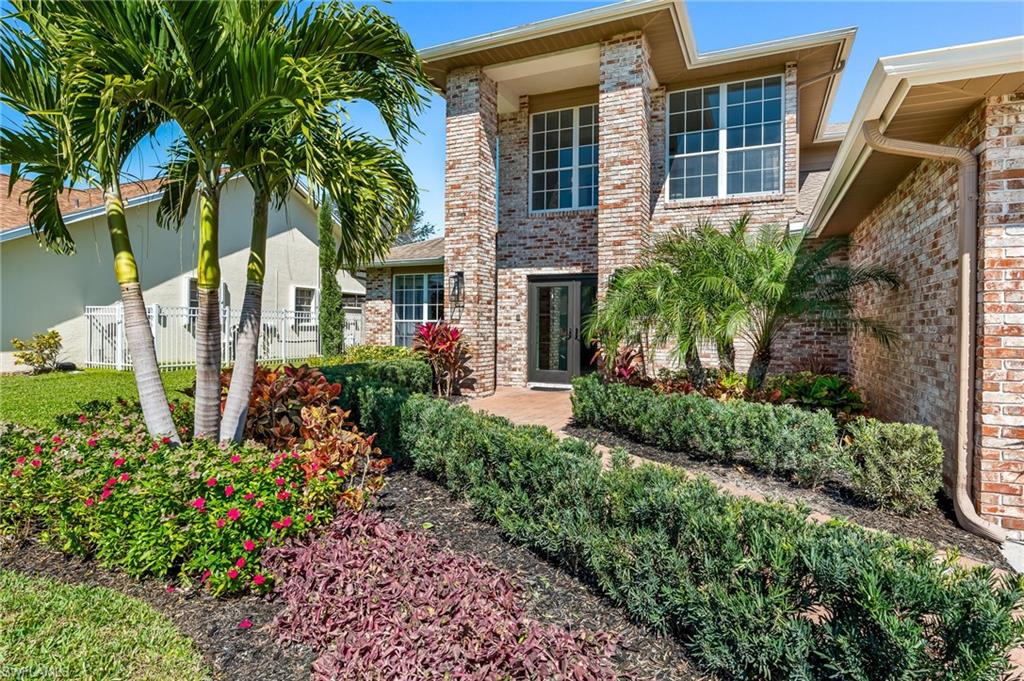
pixel 563 159
pixel 725 139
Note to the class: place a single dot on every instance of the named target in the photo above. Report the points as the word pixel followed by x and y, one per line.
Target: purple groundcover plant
pixel 380 602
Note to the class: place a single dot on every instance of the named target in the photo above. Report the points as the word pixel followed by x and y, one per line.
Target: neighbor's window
pixel 725 139
pixel 192 297
pixel 303 303
pixel 563 159
pixel 417 298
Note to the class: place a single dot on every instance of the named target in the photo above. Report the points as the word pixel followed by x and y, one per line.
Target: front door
pixel 557 350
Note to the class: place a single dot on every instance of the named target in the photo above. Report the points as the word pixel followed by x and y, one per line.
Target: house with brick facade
pixel 575 142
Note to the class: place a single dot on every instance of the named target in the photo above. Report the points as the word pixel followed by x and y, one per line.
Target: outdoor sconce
pixel 458 279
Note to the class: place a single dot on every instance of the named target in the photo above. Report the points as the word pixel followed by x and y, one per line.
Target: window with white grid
pixel 416 298
pixel 564 159
pixel 726 139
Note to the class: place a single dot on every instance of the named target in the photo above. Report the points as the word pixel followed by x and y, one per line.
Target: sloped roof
pixel 429 252
pixel 14 211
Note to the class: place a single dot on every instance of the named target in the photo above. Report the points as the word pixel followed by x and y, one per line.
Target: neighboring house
pixel 574 142
pixel 41 290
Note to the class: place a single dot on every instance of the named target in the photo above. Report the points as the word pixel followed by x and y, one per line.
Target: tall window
pixel 563 159
pixel 304 304
pixel 417 298
pixel 725 139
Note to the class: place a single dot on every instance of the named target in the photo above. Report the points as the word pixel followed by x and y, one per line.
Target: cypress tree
pixel 332 305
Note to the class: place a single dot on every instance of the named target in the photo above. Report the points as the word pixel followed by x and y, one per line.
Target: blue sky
pixel 884 28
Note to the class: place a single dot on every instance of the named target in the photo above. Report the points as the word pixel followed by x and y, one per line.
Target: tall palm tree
pixel 326 56
pixel 70 134
pixel 770 279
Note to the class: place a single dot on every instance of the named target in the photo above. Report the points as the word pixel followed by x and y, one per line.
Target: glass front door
pixel 556 349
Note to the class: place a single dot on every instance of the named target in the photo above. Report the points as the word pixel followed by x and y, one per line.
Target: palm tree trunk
pixel 232 427
pixel 208 331
pixel 758 370
pixel 726 355
pixel 137 331
pixel 694 366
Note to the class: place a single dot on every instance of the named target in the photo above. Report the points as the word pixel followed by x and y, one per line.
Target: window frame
pixel 425 305
pixel 314 307
pixel 722 153
pixel 575 159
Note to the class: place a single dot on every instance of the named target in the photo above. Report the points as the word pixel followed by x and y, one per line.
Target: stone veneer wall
pixel 999 464
pixel 914 231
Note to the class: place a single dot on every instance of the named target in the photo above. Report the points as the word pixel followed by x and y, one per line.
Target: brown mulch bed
pixel 552 595
pixel 232 653
pixel 936 525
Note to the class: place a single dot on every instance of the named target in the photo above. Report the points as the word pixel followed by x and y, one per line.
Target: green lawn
pixel 53 630
pixel 36 400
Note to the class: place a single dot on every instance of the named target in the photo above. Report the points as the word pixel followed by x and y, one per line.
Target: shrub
pixel 815 391
pixel 372 353
pixel 777 439
pixel 100 486
pixel 41 353
pixel 896 465
pixel 754 589
pixel 442 345
pixel 376 601
pixel 409 374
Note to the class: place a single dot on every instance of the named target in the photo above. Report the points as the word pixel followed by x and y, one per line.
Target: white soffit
pixel 553 72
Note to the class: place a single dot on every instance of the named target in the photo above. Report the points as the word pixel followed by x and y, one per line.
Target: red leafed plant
pixel 443 346
pixel 624 366
pixel 277 399
pixel 330 445
pixel 376 601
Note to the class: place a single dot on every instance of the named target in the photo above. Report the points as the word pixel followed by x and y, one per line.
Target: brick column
pixel 624 210
pixel 470 214
pixel 999 458
pixel 377 308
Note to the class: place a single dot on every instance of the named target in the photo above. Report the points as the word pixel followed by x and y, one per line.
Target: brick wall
pixel 471 220
pixel 998 480
pixel 377 308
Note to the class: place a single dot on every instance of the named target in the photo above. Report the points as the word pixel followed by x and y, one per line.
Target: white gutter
pixel 885 91
pixel 684 32
pixel 406 262
pixel 87 214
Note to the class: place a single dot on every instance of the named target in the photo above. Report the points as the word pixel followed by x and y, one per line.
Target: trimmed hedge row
pixel 753 589
pixel 891 465
pixel 374 392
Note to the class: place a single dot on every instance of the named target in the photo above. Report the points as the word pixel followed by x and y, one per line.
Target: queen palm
pixel 69 134
pixel 348 54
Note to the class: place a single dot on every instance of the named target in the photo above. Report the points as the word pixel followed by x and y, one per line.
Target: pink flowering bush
pixel 98 485
pixel 377 601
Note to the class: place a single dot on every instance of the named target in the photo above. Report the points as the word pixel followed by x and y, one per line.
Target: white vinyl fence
pixel 286 335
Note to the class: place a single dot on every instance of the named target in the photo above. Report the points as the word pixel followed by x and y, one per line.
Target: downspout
pixel 967 229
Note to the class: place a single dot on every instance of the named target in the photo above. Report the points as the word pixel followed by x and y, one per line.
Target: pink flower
pixel 166 440
pixel 248 496
pixel 283 495
pixel 16 472
pixel 232 573
pixel 111 482
pixel 249 544
pixel 199 503
pixel 276 525
pixel 212 482
pixel 81 418
pixel 155 446
pixel 91 442
pixel 309 517
pixel 105 493
pixel 245 624
pixel 90 501
pixel 57 439
pixel 295 455
pixel 36 463
pixel 206 576
pixel 124 477
pixel 118 462
pixel 220 522
pixel 286 521
pixel 279 481
pixel 240 563
pixel 235 458
pixel 229 490
pixel 170 588
pixel 233 514
pixel 20 460
pixel 259 503
pixel 37 449
pixel 341 474
pixel 258 579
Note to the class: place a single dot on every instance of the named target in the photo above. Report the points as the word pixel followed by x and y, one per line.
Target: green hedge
pixel 374 392
pixel 895 465
pixel 753 589
pixel 778 439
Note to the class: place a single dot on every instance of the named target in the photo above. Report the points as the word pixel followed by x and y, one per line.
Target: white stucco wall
pixel 40 290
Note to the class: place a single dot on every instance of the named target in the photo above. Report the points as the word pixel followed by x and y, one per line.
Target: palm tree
pixel 632 313
pixel 345 54
pixel 70 134
pixel 770 279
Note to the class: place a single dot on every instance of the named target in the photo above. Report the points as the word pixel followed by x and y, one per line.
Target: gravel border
pixel 936 525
